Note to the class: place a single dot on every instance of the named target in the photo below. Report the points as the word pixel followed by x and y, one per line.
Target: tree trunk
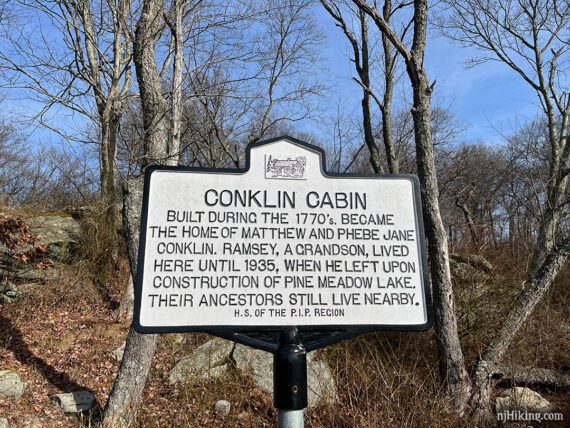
pixel 533 376
pixel 495 350
pixel 451 362
pixel 369 136
pixel 125 397
pixel 468 220
pixel 127 391
pixel 362 65
pixel 154 106
pixel 364 73
pixel 492 228
pixel 526 303
pixel 107 172
pixel 389 68
pixel 549 225
pixel 557 182
pixel 176 123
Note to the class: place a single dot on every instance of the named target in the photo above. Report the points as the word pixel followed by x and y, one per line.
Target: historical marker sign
pixel 242 253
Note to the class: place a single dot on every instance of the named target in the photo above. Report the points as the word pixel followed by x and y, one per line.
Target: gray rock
pixel 10 384
pixel 321 383
pixel 4 423
pixel 60 232
pixel 207 361
pixel 8 291
pixel 259 365
pixel 470 269
pixel 522 399
pixel 222 408
pixel 211 359
pixel 74 402
pixel 117 354
pixel 29 273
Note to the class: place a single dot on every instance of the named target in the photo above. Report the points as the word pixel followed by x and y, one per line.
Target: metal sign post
pixel 281 256
pixel 290 380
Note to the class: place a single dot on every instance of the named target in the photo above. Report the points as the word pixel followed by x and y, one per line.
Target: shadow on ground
pixel 12 339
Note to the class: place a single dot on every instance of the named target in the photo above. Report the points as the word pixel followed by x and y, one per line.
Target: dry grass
pixel 387 379
pixel 99 245
pixel 59 336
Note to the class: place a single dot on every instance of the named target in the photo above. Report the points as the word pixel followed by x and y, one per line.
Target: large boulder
pixel 207 361
pixel 8 291
pixel 59 234
pixel 523 400
pixel 470 268
pixel 213 358
pixel 259 365
pixel 321 383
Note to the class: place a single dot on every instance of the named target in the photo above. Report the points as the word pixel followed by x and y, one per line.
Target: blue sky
pixel 489 98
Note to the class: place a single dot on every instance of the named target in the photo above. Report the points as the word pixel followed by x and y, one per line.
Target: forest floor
pixel 58 337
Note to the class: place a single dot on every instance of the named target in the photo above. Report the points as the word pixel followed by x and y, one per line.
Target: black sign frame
pixel 267 338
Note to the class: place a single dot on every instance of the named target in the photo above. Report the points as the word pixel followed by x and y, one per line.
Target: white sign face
pixel 280 244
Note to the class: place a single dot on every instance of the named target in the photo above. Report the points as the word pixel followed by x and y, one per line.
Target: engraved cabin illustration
pixel 285 168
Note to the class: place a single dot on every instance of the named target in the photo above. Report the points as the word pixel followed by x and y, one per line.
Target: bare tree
pixel 288 46
pixel 247 68
pixel 528 154
pixel 361 53
pixel 390 61
pixel 452 366
pixel 94 58
pixel 60 177
pixel 531 38
pixel 246 77
pixel 43 177
pixel 176 26
pixel 344 145
pixel 361 61
pixel 125 397
pixel 15 176
pixel 473 179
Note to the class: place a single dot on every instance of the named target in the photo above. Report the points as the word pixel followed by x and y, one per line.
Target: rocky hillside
pixel 56 234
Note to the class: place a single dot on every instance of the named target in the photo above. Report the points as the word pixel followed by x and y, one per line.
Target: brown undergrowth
pixel 58 337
